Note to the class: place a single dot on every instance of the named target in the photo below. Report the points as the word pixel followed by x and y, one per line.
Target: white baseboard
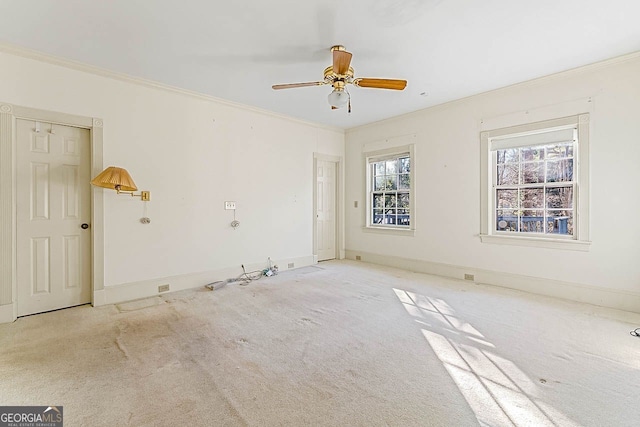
pixel 7 313
pixel 99 298
pixel 147 288
pixel 613 298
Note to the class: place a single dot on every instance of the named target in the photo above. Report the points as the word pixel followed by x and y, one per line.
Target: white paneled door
pixel 53 212
pixel 326 210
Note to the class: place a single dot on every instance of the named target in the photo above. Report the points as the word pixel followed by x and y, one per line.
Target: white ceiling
pixel 236 50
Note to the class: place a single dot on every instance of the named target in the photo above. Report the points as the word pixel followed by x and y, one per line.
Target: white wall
pixel 192 153
pixel 447 167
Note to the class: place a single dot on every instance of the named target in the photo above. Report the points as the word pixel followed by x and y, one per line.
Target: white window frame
pixel 491 139
pixel 379 155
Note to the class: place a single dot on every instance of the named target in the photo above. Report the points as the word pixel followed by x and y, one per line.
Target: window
pixel 389 189
pixel 537 185
pixel 534 188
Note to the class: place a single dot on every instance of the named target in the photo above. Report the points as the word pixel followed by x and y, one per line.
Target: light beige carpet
pixel 340 344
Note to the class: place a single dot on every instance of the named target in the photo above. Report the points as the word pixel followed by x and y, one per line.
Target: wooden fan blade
pixel 292 85
pixel 381 83
pixel 341 61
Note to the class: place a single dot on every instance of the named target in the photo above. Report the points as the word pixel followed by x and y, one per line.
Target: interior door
pixel 326 210
pixel 53 212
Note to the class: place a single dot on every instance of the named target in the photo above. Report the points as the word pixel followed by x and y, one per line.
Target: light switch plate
pixel 229 205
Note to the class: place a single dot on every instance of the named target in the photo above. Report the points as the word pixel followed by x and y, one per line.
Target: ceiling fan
pixel 339 75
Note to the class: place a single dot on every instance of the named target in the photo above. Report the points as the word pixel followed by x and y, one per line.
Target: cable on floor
pixel 243 280
pixel 635 332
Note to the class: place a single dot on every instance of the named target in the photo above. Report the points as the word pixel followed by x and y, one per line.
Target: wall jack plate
pixel 230 205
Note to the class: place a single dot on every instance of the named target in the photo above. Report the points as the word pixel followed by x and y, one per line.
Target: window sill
pixel 390 230
pixel 572 245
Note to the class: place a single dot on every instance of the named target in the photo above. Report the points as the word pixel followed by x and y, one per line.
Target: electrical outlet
pixel 469 277
pixel 163 288
pixel 230 205
pixel 358 257
pixel 290 265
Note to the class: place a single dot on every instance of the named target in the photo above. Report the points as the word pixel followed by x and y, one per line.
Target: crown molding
pixel 103 72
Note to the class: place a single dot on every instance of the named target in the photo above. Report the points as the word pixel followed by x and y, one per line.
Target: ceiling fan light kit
pixel 341 74
pixel 338 97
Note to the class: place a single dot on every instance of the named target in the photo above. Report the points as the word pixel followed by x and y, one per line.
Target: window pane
pixel 532 198
pixel 403 200
pixel 532 173
pixel 377 216
pixel 392 167
pixel 378 201
pixel 405 165
pixel 507 199
pixel 560 170
pixel 532 221
pixel 391 182
pixel 403 217
pixel 558 151
pixel 506 221
pixel 405 182
pixel 378 168
pixel 507 156
pixel 507 174
pixel 532 153
pixel 560 197
pixel 560 222
pixel 389 201
pixel 379 183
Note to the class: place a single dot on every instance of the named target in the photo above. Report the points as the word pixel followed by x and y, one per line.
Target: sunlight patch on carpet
pixel 497 391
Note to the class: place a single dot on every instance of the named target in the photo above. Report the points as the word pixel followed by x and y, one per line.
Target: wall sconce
pixel 119 179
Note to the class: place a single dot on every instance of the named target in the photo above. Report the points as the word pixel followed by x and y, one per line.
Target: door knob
pixel 84 226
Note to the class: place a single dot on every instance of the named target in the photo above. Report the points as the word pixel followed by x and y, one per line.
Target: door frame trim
pixel 340 253
pixel 9 113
